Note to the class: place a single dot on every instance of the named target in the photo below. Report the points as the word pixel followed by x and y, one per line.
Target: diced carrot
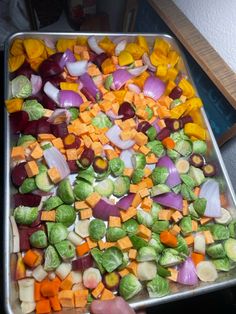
pixel 98 290
pixel 223 200
pixel 140 139
pixel 30 258
pixel 189 240
pixel 49 289
pixel 168 143
pixel 134 188
pixel 147 181
pixel 67 283
pixel 43 307
pixel 82 249
pixel 197 258
pixel 55 304
pixel 132 267
pixel 168 239
pixel 107 295
pixel 66 298
pixel 37 293
pixel 114 221
pixel 151 159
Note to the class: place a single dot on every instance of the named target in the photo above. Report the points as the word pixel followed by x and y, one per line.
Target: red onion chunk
pixel 153 87
pixel 42 193
pixel 170 200
pixel 126 157
pixel 77 68
pixel 82 262
pixel 120 77
pixel 173 178
pixel 60 115
pixel 113 134
pixel 138 70
pixel 92 42
pixel 54 158
pixel 104 209
pixel 125 202
pixel 51 91
pixel 36 82
pixel 120 47
pixel 99 59
pixel 113 116
pixel 27 199
pixel 69 98
pixel 187 273
pixel 90 86
pixel 134 88
pixel 211 192
pixel 67 56
pixel 147 61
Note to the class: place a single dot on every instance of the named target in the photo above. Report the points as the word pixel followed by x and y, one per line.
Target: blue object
pixel 220 113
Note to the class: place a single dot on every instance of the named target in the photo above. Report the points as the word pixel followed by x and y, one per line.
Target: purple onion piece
pixel 125 202
pixel 187 273
pixel 104 209
pixel 170 200
pixel 173 178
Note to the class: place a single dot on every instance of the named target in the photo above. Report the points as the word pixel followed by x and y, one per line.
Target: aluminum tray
pixel 178 292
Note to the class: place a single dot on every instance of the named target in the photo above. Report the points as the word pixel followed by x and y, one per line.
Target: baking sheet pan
pixel 178 292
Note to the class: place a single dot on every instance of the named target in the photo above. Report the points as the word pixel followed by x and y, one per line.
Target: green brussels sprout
pixel 200 205
pixel 114 234
pixel 179 135
pixel 129 286
pixel 52 202
pixel 173 154
pixel 97 256
pixel 65 249
pixel 182 246
pixel 38 239
pixel 117 166
pixel 220 232
pixel 144 218
pixel 105 187
pixel 199 147
pixel 42 168
pixel 162 271
pixel 82 190
pixel 130 226
pixel 216 250
pixel 21 87
pixel 87 175
pixel 156 243
pixel 159 189
pixel 158 287
pixel 66 215
pixel 186 225
pixel 188 180
pixel 65 192
pixel 137 242
pixel 108 82
pixel 197 175
pixel 25 140
pixel 170 257
pixel 232 228
pixel 57 233
pixel 137 175
pixel 151 133
pixel 52 260
pixel 156 148
pixel 159 175
pixel 183 147
pixel 223 264
pixel 97 229
pixel 154 211
pixel 101 121
pixel 187 193
pixel 121 186
pixel 43 182
pixel 149 112
pixel 112 258
pixel 28 186
pixel 74 113
pixel 176 189
pixel 192 212
pixel 25 215
pixel 146 253
pixel 138 160
pixel 125 261
pixel 160 226
pixel 49 225
pixel 34 109
pixel 230 249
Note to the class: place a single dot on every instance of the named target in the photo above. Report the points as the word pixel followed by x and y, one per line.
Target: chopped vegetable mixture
pixel 115 189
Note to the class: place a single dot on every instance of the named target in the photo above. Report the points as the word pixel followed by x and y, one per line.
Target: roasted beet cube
pixel 18 174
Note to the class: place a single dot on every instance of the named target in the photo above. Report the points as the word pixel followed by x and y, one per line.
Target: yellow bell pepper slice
pixel 193 129
pixel 125 58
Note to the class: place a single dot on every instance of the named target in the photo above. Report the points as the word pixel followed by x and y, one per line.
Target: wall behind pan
pixel 215 19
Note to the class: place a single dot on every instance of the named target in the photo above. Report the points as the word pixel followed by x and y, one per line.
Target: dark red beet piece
pixel 31 128
pixel 176 92
pixel 25 70
pixel 143 126
pixel 82 262
pixel 28 199
pixel 18 174
pixel 186 119
pixel 43 126
pixel 99 59
pixel 25 232
pixel 48 103
pixel 56 57
pixel 59 130
pixel 126 110
pixel 163 134
pixel 73 166
pixel 49 68
pixel 55 80
pixel 18 121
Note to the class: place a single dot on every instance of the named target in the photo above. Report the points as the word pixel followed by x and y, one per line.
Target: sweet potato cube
pixel 31 168
pixel 54 175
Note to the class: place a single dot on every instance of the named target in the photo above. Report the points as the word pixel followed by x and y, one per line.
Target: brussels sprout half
pixel 97 229
pixel 66 215
pixel 129 286
pixel 25 215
